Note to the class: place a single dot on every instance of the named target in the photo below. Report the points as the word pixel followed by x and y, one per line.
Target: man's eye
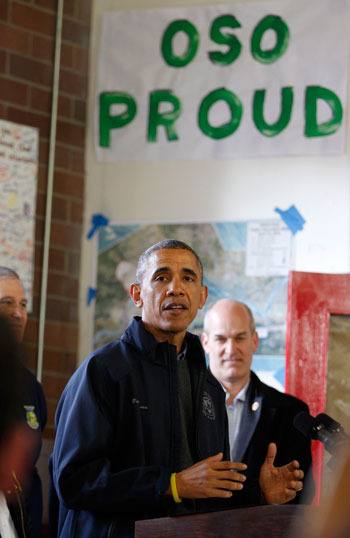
pixel 160 278
pixel 240 338
pixel 189 278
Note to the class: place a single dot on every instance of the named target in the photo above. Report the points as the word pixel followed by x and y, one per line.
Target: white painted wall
pixel 187 191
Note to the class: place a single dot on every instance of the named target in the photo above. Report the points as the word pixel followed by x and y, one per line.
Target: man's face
pixel 13 305
pixel 230 344
pixel 170 292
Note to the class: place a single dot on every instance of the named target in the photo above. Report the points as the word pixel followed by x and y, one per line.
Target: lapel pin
pixel 255 406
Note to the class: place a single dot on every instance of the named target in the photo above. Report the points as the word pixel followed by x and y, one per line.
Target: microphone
pixel 322 428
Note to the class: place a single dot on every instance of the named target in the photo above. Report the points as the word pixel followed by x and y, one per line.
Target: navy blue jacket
pixel 118 434
pixel 268 417
pixel 26 506
pixel 34 413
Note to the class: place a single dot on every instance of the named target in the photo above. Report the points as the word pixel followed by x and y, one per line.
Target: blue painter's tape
pixel 91 295
pixel 292 218
pixel 98 220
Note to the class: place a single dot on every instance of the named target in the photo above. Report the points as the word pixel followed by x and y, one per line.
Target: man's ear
pixel 204 296
pixel 204 340
pixel 256 341
pixel 135 294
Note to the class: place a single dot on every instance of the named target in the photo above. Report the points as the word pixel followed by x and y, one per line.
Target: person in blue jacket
pixel 141 425
pixel 32 404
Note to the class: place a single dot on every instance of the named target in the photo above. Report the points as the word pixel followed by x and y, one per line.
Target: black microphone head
pixel 322 428
pixel 328 422
pixel 303 422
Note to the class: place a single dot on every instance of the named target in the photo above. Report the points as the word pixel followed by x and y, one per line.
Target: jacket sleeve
pixel 85 468
pixel 293 445
pixel 305 460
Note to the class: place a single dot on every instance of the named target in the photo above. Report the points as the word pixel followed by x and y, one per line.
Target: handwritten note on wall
pixel 18 180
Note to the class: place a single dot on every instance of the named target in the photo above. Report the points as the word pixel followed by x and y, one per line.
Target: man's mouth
pixel 17 329
pixel 175 306
pixel 17 326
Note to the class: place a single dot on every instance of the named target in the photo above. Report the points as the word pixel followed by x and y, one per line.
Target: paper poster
pixel 269 245
pixel 18 180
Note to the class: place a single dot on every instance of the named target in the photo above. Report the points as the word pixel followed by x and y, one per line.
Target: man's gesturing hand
pixel 279 484
pixel 211 477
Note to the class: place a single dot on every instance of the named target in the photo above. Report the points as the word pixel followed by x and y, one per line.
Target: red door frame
pixel 312 298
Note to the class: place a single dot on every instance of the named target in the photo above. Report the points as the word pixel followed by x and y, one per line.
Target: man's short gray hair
pixel 165 244
pixel 6 272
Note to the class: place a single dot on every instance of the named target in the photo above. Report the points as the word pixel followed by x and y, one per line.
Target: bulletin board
pixel 18 182
pixel 246 260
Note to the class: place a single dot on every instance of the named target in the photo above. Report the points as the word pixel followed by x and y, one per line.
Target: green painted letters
pixel 108 121
pixel 222 38
pixel 272 129
pixel 167 119
pixel 270 22
pixel 312 127
pixel 235 106
pixel 180 25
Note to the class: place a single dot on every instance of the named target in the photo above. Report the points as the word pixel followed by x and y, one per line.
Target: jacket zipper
pixel 198 395
pixel 196 415
pixel 173 405
pixel 111 530
pixel 18 490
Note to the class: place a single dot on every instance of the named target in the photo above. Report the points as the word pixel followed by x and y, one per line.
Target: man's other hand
pixel 279 484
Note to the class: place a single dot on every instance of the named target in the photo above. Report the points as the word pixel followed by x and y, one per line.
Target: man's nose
pixel 17 312
pixel 230 346
pixel 175 286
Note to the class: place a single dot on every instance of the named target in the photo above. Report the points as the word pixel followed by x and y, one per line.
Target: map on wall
pixel 18 178
pixel 222 248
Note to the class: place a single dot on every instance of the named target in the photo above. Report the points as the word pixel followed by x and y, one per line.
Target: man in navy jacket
pixel 257 414
pixel 141 425
pixel 32 404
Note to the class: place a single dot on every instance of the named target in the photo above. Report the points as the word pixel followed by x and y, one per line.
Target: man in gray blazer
pixel 258 415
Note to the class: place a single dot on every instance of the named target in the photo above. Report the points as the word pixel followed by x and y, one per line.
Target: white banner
pixel 223 81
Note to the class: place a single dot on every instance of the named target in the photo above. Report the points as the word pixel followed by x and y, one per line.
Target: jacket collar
pixel 251 415
pixel 137 336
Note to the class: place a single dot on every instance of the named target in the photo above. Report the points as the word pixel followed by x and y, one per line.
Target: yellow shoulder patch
pixel 31 418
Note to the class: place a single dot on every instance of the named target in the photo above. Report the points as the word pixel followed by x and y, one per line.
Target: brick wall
pixel 27 38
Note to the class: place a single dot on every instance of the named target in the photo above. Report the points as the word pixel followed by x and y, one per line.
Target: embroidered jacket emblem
pixel 208 406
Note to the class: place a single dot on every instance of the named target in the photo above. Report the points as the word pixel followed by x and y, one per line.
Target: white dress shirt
pixel 7 529
pixel 234 415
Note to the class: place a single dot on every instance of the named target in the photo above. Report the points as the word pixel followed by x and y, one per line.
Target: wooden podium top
pixel 256 522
